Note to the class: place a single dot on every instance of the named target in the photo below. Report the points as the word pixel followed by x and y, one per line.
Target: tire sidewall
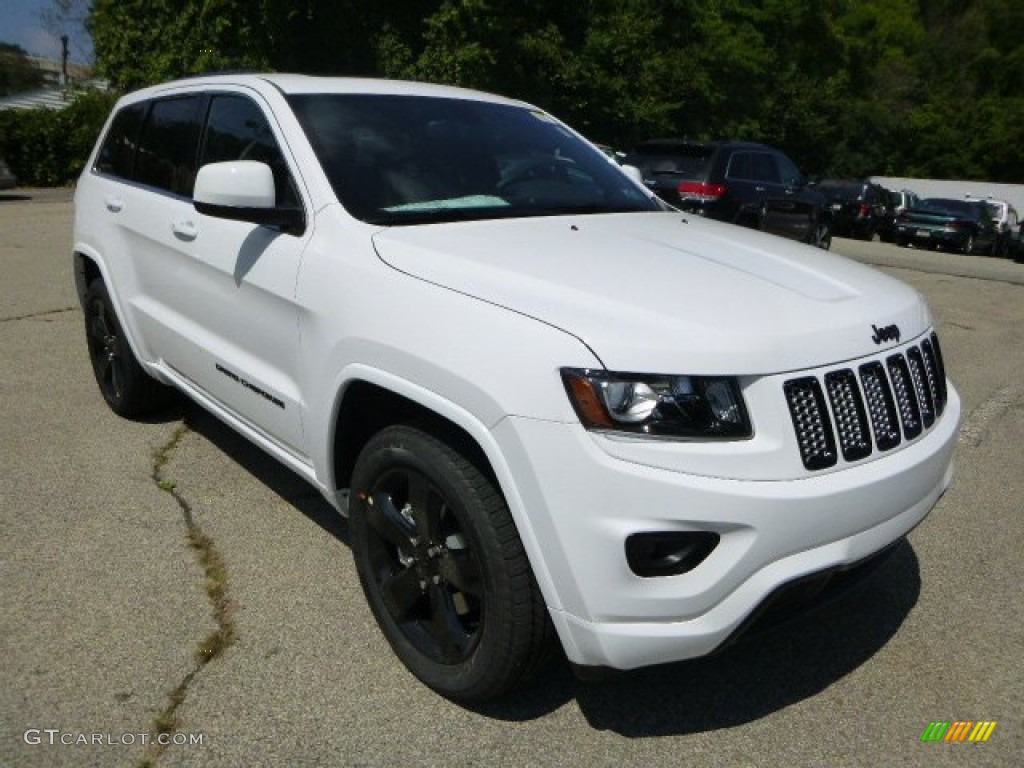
pixel 406 448
pixel 97 293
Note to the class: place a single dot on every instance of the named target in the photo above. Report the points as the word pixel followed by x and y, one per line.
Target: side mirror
pixel 243 190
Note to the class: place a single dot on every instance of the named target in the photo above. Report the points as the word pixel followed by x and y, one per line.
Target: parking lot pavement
pixel 109 609
pixel 932 262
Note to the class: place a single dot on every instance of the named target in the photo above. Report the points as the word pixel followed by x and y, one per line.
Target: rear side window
pixel 166 158
pixel 237 129
pixel 118 151
pixel 754 166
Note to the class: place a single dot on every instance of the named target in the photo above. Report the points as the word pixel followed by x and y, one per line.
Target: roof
pixel 304 84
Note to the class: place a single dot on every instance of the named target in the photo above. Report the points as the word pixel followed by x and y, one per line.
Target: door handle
pixel 185 230
pixel 113 204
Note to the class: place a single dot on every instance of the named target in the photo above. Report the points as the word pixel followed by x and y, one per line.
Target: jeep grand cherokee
pixel 550 408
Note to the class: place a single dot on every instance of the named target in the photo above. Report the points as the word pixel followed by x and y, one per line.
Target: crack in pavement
pixel 36 315
pixel 216 588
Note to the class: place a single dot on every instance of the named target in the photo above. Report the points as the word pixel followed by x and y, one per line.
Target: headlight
pixel 658 405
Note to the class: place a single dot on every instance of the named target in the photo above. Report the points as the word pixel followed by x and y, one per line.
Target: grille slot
pixel 924 392
pixel 875 407
pixel 934 372
pixel 906 398
pixel 811 421
pixel 884 418
pixel 850 419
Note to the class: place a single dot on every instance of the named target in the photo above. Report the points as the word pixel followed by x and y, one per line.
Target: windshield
pixel 996 210
pixel 954 206
pixel 411 160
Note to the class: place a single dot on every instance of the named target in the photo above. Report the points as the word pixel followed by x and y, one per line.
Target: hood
pixel 666 292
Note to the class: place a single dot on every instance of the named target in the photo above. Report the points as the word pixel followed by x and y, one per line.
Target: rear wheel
pixel 127 388
pixel 443 568
pixel 968 246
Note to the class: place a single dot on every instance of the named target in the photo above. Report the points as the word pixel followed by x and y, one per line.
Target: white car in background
pixel 1005 217
pixel 7 178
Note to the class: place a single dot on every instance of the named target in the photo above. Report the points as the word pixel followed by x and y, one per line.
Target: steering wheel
pixel 542 169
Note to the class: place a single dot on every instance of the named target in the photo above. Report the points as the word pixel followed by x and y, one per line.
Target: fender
pixel 80 254
pixel 473 426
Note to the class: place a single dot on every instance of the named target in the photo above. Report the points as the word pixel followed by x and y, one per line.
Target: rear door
pixel 144 174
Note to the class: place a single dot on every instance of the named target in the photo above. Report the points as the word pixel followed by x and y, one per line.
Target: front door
pixel 244 349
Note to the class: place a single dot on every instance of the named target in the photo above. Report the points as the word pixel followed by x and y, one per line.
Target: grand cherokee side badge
pixel 888 333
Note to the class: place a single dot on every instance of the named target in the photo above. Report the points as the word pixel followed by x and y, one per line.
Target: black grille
pixel 873 408
pixel 850 419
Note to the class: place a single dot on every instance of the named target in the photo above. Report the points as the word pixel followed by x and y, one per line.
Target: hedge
pixel 48 148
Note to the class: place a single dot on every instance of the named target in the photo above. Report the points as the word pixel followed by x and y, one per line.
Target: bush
pixel 48 148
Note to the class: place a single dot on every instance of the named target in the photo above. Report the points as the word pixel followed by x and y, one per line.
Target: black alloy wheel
pixel 428 577
pixel 126 387
pixel 443 568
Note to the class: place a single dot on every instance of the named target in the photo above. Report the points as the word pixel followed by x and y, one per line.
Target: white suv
pixel 562 410
pixel 1005 219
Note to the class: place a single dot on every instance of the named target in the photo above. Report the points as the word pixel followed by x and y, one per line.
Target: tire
pixel 443 568
pixel 128 389
pixel 902 242
pixel 821 237
pixel 968 246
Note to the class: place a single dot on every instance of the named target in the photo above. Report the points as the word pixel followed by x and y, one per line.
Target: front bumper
pixel 583 502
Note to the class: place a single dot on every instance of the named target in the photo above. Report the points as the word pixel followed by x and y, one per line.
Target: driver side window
pixel 237 129
pixel 791 175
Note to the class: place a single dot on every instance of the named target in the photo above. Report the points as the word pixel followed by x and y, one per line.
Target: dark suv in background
pixel 859 208
pixel 753 185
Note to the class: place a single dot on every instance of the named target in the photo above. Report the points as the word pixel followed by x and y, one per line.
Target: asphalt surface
pixel 109 623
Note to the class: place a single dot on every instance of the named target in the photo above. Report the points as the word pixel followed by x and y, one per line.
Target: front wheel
pixel 968 246
pixel 443 568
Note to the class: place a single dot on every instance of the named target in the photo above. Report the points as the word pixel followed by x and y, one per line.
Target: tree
pixel 140 42
pixel 847 88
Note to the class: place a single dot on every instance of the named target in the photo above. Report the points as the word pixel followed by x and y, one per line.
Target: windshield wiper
pixel 426 216
pixel 449 215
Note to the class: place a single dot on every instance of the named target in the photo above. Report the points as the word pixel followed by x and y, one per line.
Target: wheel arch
pixel 373 400
pixel 366 407
pixel 86 269
pixel 87 266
